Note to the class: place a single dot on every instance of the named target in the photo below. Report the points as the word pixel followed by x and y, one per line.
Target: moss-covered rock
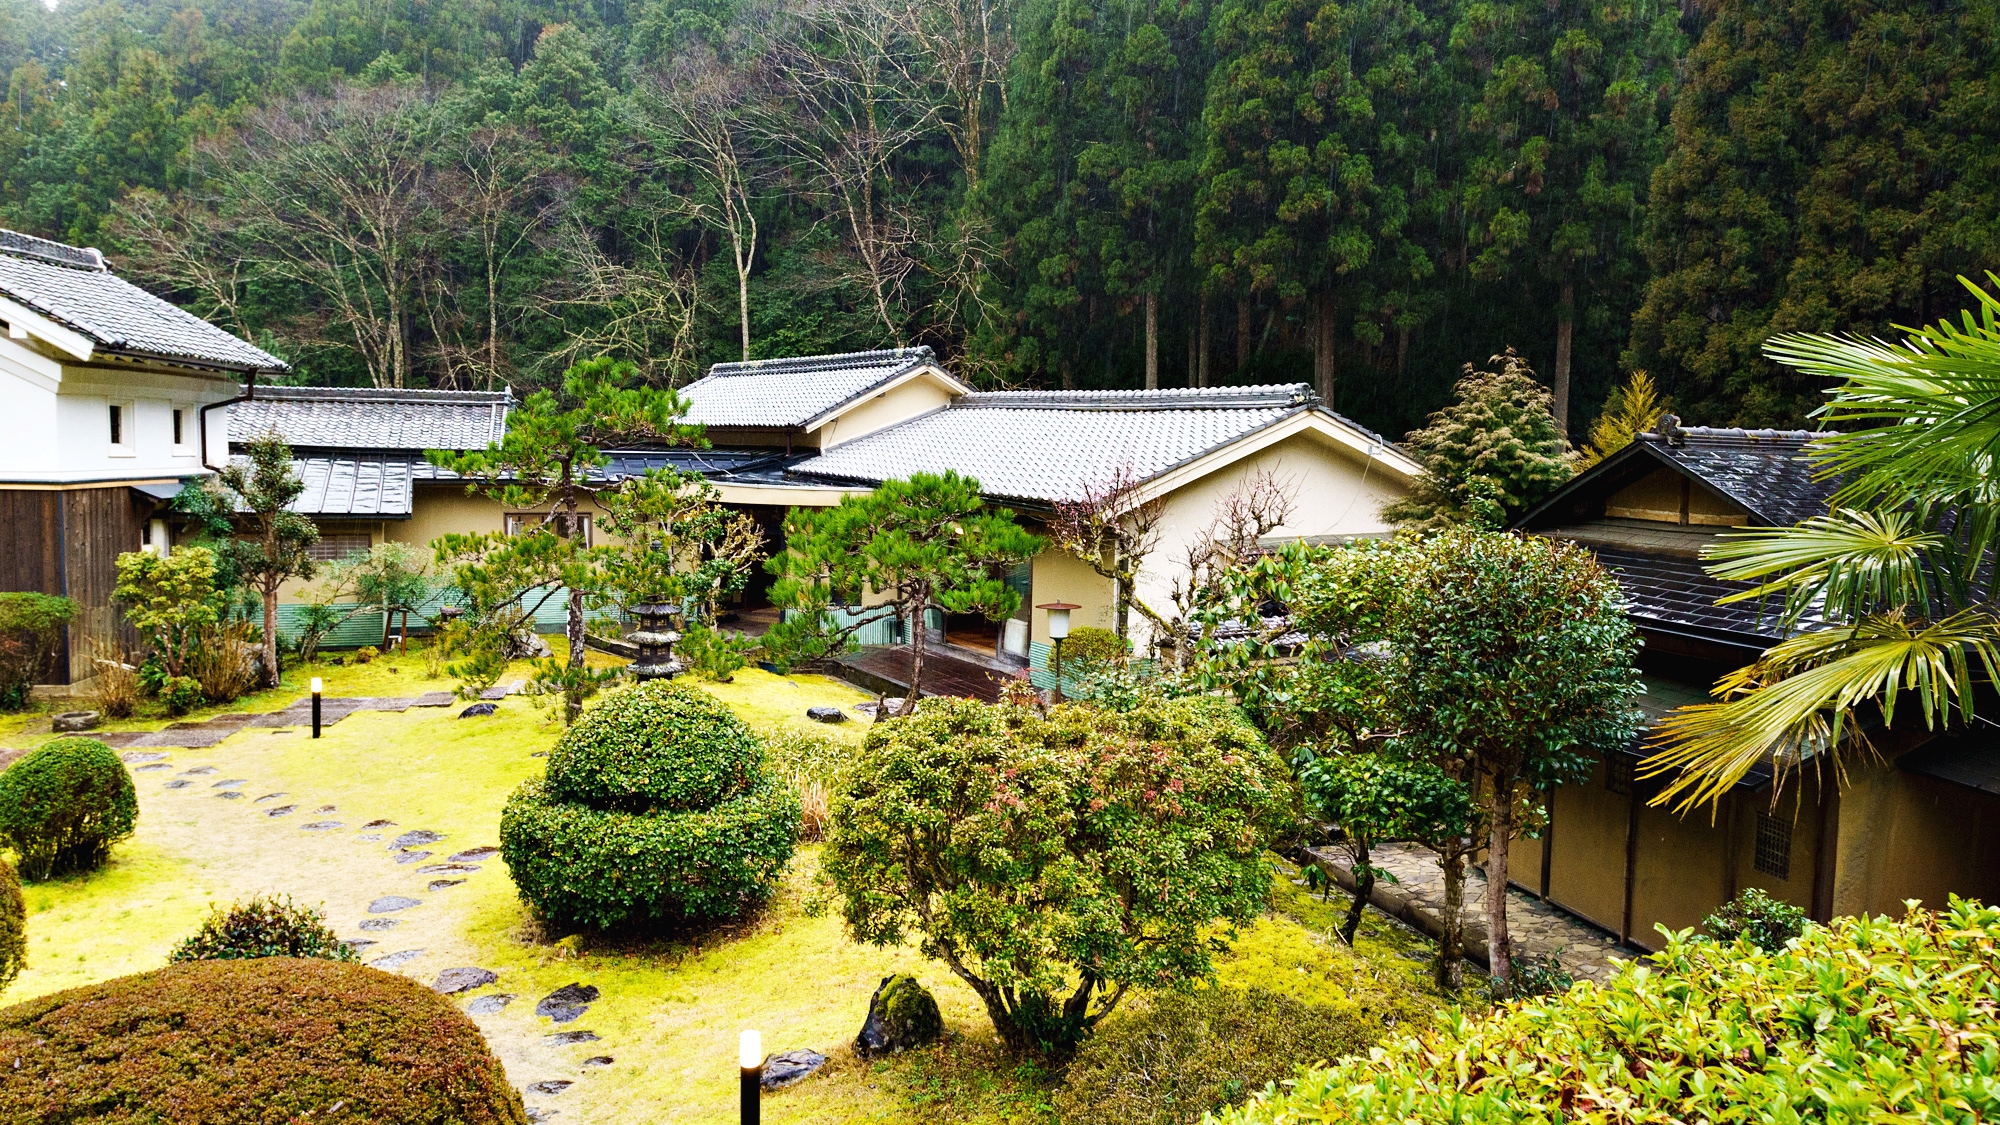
pixel 13 925
pixel 902 1014
pixel 242 1042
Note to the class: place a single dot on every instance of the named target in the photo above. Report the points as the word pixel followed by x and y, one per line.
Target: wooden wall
pixel 67 542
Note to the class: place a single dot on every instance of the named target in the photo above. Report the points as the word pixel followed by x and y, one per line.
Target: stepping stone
pixel 270 797
pixel 324 808
pixel 550 1086
pixel 199 771
pixel 595 1061
pixel 791 1068
pixel 571 1038
pixel 375 924
pixel 413 837
pixel 151 768
pixel 567 1003
pixel 471 854
pixel 434 699
pixel 479 710
pixel 281 810
pixel 369 836
pixel 488 1004
pixel 537 1115
pixel 179 783
pixel 231 783
pixel 357 944
pixel 441 884
pixel 389 904
pixel 446 868
pixel 379 824
pixel 411 857
pixel 320 826
pixel 396 960
pixel 229 795
pixel 463 979
pixel 141 756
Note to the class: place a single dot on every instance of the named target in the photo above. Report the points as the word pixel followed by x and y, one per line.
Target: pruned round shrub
pixel 1861 1019
pixel 1088 649
pixel 13 926
pixel 660 745
pixel 64 805
pixel 229 1042
pixel 263 927
pixel 656 809
pixel 1196 1052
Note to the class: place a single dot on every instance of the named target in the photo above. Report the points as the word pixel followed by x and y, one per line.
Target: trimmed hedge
pixel 263 927
pixel 1862 1019
pixel 13 926
pixel 660 745
pixel 64 805
pixel 243 1042
pixel 655 809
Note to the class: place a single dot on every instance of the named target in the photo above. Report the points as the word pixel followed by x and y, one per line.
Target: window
pixel 117 424
pixel 180 426
pixel 518 522
pixel 1618 772
pixel 1773 856
pixel 333 546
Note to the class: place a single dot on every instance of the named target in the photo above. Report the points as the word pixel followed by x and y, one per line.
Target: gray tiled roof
pixel 73 287
pixel 1766 471
pixel 1055 445
pixel 342 418
pixel 792 392
pixel 1677 593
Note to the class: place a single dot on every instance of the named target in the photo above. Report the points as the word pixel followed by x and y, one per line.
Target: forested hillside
pixel 1092 193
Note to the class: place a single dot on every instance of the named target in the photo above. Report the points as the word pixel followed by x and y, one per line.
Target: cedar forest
pixel 1080 193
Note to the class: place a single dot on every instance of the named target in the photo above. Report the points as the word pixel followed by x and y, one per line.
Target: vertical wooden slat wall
pixel 67 542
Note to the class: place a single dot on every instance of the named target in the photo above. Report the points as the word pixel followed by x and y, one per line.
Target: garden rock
pixel 567 1003
pixel 281 810
pixel 396 960
pixel 441 884
pixel 73 722
pixel 902 1014
pixel 826 714
pixel 526 645
pixel 446 868
pixel 490 1003
pixel 472 854
pixel 228 795
pixel 357 944
pixel 152 768
pixel 142 756
pixel 375 924
pixel 550 1086
pixel 412 857
pixel 389 904
pixel 380 824
pixel 595 1061
pixel 478 709
pixel 463 979
pixel 268 797
pixel 199 771
pixel 412 838
pixel 230 783
pixel 571 1038
pixel 179 783
pixel 320 826
pixel 790 1068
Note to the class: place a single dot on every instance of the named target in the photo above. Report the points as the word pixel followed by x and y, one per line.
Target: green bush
pixel 660 745
pixel 712 654
pixel 1088 649
pixel 655 809
pixel 64 805
pixel 263 927
pixel 181 694
pixel 1192 1053
pixel 30 627
pixel 1753 915
pixel 13 926
pixel 1862 1019
pixel 251 1042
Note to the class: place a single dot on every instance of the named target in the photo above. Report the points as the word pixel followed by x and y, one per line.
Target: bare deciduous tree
pixel 1258 506
pixel 1113 527
pixel 173 243
pixel 500 192
pixel 642 310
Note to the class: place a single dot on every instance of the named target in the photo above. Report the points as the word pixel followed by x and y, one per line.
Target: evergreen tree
pixel 1489 456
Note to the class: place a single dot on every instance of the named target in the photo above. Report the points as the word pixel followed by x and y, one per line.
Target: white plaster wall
pixel 897 404
pixel 60 432
pixel 27 420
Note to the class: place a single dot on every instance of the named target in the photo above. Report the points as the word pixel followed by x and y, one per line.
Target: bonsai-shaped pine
pixel 1054 863
pixel 1375 798
pixel 246 516
pixel 263 927
pixel 1492 454
pixel 1503 660
pixel 680 545
pixel 917 543
pixel 544 465
pixel 171 600
pixel 64 805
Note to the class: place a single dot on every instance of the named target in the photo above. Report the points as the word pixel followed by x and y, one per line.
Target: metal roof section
pixel 368 419
pixel 1051 446
pixel 73 287
pixel 788 393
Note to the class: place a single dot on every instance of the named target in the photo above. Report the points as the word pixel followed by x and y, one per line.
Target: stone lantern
pixel 655 638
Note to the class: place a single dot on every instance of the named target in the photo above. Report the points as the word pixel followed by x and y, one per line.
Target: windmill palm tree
pixel 1889 597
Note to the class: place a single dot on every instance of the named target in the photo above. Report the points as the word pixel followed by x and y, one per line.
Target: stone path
pixel 1536 927
pixel 207 732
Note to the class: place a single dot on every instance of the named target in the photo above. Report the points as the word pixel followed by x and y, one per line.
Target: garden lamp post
pixel 1058 629
pixel 750 1049
pixel 316 686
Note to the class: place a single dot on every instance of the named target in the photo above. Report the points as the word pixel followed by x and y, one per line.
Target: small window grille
pixel 1774 846
pixel 1618 773
pixel 333 546
pixel 117 424
pixel 179 439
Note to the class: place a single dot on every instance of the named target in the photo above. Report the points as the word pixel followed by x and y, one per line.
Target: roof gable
pixel 373 420
pixel 73 287
pixel 1765 472
pixel 800 391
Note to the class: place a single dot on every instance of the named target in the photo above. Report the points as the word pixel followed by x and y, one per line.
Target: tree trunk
pixel 1364 887
pixel 1201 321
pixel 1565 331
pixel 1323 347
pixel 492 322
pixel 919 630
pixel 270 636
pixel 1152 341
pixel 1499 952
pixel 1243 312
pixel 573 626
pixel 1451 945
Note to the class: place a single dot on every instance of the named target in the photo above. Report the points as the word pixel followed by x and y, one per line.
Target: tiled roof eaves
pixel 815 421
pixel 225 353
pixel 912 357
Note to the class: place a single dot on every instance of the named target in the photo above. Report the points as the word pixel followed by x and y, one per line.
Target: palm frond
pixel 1847 564
pixel 1800 702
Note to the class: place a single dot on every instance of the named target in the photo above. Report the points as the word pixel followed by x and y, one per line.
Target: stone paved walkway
pixel 1536 927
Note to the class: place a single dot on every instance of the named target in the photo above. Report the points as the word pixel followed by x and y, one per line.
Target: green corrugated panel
pixel 363 628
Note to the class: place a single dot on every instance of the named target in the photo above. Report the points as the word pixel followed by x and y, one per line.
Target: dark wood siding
pixel 67 542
